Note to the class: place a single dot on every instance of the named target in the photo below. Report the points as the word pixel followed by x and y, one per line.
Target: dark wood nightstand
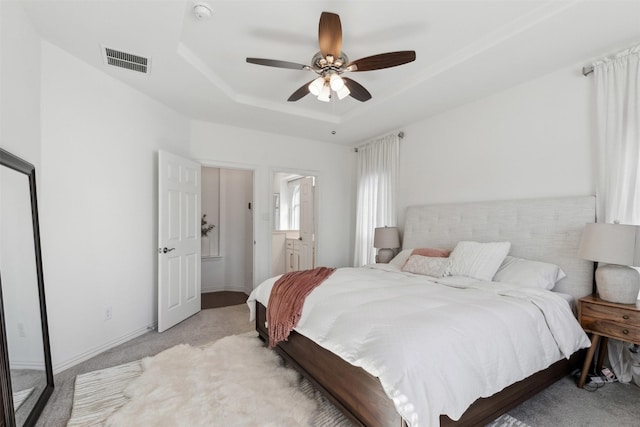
pixel 607 320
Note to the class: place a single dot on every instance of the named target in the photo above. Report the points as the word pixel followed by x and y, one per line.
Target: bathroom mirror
pixel 26 375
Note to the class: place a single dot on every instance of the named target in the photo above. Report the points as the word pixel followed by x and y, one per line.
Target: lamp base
pixel 384 255
pixel 618 283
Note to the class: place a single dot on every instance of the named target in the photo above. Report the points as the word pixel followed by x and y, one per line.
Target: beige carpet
pixel 139 392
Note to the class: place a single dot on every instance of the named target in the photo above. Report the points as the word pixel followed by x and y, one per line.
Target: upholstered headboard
pixel 539 229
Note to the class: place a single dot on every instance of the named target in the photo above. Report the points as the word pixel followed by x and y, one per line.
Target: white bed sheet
pixel 436 345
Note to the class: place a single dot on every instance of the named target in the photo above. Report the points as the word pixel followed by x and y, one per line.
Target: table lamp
pixel 386 239
pixel 617 246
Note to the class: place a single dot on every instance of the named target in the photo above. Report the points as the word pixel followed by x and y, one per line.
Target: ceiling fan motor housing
pixel 321 65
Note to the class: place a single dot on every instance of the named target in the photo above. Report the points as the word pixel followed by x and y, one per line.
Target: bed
pixel 545 230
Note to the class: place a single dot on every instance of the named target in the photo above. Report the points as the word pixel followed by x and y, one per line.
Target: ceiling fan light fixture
pixel 330 62
pixel 325 94
pixel 315 87
pixel 343 92
pixel 336 82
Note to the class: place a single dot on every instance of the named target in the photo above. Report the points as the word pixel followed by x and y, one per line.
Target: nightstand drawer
pixel 613 314
pixel 611 329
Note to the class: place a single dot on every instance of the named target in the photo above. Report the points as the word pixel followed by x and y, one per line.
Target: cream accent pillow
pixel 478 260
pixel 426 265
pixel 530 274
pixel 432 252
pixel 401 258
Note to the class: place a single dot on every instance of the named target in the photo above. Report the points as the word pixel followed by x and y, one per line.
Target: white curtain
pixel 618 188
pixel 377 176
pixel 618 103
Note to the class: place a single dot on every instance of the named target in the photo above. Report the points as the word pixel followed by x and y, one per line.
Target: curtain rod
pixel 586 70
pixel 400 135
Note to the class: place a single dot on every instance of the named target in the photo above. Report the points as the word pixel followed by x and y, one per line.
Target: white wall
pixel 211 207
pixel 99 204
pixel 533 140
pixel 19 84
pixel 237 228
pixel 20 135
pixel 232 270
pixel 333 165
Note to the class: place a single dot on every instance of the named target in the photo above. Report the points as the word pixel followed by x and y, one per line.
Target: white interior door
pixel 307 231
pixel 178 239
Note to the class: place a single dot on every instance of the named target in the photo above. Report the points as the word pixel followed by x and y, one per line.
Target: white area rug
pixel 234 381
pixel 98 394
pixel 20 396
pixel 507 420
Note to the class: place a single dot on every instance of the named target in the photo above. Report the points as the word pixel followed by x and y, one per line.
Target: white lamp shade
pixel 343 92
pixel 325 94
pixel 316 86
pixel 386 237
pixel 336 82
pixel 611 243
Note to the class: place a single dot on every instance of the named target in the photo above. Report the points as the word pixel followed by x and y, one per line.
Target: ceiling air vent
pixel 126 60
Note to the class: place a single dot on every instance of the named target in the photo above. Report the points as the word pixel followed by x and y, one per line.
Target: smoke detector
pixel 202 10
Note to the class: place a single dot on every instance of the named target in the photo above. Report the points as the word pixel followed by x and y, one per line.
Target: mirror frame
pixel 7 415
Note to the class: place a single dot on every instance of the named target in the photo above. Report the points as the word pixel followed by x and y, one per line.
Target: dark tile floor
pixel 222 299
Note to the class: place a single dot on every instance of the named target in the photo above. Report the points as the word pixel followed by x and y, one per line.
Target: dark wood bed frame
pixel 361 398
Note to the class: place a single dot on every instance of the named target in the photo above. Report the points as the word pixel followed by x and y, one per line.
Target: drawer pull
pixel 625 331
pixel 625 317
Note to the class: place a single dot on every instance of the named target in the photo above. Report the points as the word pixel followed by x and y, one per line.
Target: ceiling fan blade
pixel 277 64
pixel 300 93
pixel 357 90
pixel 383 60
pixel 330 34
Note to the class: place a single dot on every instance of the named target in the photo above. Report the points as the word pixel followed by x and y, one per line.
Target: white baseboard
pixel 34 366
pixel 59 367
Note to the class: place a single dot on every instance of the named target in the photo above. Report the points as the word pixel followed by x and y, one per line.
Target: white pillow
pixel 478 260
pixel 530 274
pixel 426 265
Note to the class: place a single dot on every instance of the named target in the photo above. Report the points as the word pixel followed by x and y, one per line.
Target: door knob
pixel 165 250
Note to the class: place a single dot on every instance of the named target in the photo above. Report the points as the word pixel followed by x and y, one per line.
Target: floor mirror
pixel 26 375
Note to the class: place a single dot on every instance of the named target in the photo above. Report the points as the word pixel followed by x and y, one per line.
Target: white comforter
pixel 435 346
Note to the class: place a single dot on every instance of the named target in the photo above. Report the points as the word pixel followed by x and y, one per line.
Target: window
pixel 294 211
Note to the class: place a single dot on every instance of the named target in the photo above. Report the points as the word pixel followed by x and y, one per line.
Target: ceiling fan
pixel 331 62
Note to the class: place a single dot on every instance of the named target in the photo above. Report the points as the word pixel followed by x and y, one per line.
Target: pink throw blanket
pixel 287 298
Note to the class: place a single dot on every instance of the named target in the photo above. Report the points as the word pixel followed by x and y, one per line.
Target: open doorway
pixel 293 238
pixel 227 236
